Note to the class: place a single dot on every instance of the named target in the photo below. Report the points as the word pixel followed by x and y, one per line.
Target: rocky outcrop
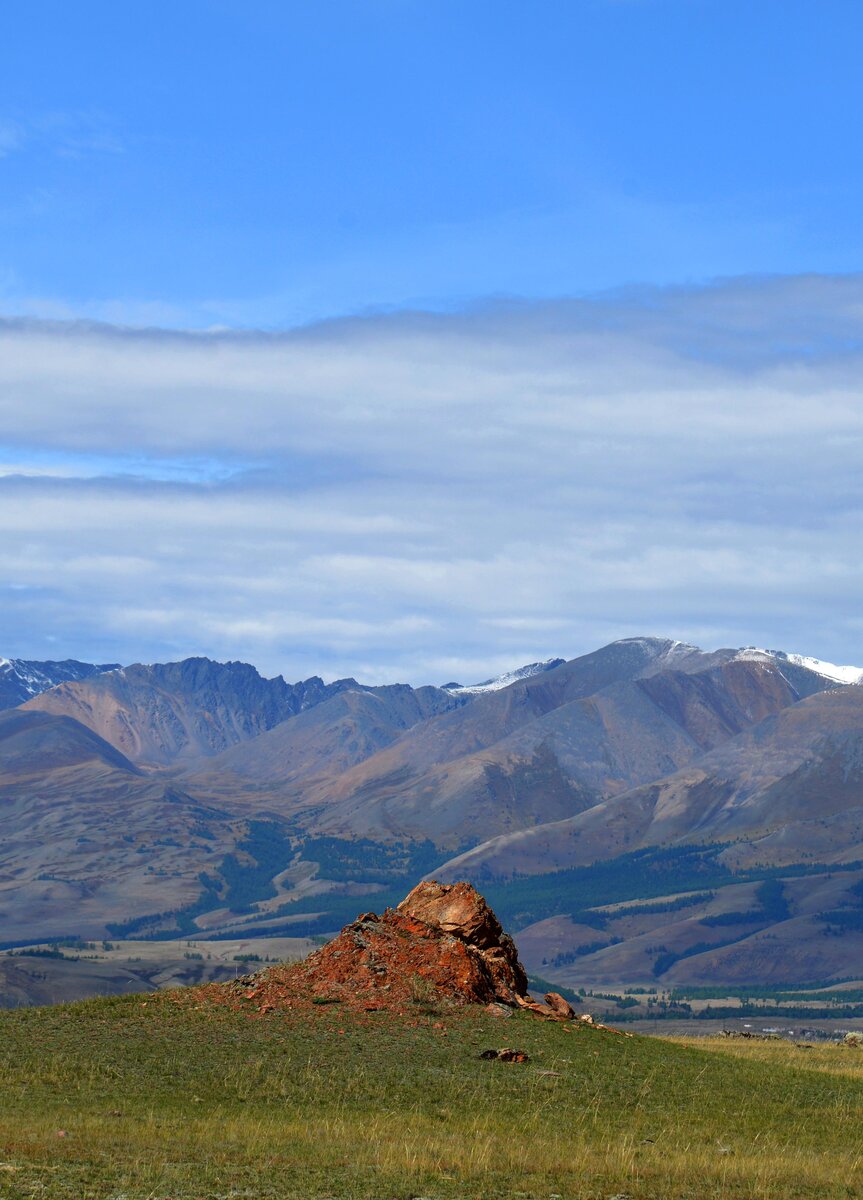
pixel 441 942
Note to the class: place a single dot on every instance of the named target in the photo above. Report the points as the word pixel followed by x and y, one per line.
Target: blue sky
pixel 267 163
pixel 417 340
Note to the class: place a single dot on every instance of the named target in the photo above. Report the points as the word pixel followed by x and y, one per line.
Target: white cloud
pixel 418 496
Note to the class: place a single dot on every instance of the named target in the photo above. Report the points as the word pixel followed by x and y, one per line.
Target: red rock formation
pixel 441 941
pixel 459 910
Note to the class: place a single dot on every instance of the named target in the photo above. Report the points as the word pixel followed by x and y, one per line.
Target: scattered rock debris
pixel 498 1010
pixel 506 1054
pixel 750 1034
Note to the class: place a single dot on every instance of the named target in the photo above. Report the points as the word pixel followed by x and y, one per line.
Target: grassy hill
pixel 141 1096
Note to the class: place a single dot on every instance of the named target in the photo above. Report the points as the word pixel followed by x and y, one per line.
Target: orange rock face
pixel 559 1005
pixel 459 910
pixel 455 908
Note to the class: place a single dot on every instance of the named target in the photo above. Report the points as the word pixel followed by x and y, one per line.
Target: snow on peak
pixel 502 681
pixel 837 674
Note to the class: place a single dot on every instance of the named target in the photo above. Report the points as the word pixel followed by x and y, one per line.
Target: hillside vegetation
pixel 145 1096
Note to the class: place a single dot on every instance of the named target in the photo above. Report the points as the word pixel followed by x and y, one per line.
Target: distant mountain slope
pixel 22 679
pixel 806 928
pixel 548 747
pixel 86 838
pixel 790 662
pixel 508 677
pixel 790 788
pixel 273 806
pixel 35 743
pixel 280 765
pixel 174 712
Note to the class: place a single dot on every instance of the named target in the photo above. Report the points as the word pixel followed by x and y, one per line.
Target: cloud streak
pixel 418 496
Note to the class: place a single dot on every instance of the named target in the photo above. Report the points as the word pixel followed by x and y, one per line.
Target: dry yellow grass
pixel 163 1103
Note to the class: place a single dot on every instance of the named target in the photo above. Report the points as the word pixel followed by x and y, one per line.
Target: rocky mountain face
pixel 647 775
pixel 296 761
pixel 790 785
pixel 22 679
pixel 174 712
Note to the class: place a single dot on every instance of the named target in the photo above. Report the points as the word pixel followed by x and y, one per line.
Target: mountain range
pixel 648 811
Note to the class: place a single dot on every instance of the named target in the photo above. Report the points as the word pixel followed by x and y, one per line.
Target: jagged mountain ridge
pixel 162 713
pixel 417 763
pixel 21 679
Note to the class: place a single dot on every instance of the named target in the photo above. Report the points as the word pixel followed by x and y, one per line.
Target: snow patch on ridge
pixel 502 681
pixel 838 674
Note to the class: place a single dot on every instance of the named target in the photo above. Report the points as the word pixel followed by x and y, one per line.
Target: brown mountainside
pixel 787 789
pixel 541 751
pixel 86 838
pixel 176 712
pixel 282 764
pixel 203 786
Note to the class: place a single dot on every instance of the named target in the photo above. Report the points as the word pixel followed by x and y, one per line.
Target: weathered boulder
pixel 561 1008
pixel 456 908
pixel 459 910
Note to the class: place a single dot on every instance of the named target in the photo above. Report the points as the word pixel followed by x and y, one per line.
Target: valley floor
pixel 150 1096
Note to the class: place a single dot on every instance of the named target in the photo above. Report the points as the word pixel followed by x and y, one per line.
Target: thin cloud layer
pixel 426 497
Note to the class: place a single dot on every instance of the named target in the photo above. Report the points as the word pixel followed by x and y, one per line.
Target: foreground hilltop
pixel 153 1099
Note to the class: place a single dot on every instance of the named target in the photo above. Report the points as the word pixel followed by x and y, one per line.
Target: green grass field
pixel 138 1097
